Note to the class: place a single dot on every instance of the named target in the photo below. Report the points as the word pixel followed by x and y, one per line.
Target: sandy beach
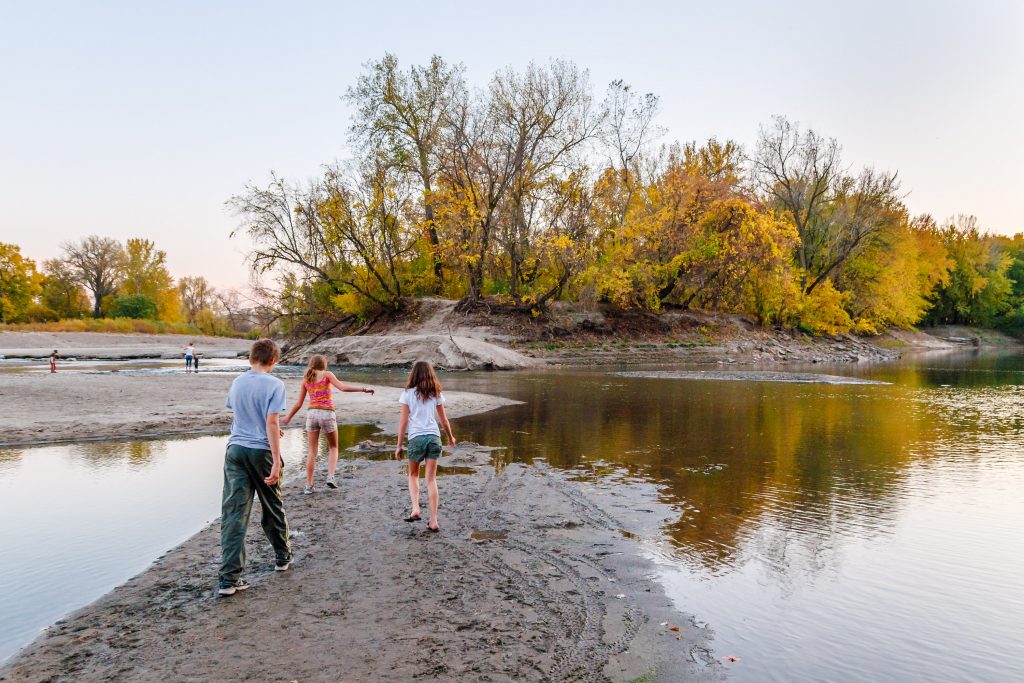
pixel 44 408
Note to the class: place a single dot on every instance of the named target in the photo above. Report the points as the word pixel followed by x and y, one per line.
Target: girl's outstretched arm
pixel 446 425
pixel 298 404
pixel 402 424
pixel 346 387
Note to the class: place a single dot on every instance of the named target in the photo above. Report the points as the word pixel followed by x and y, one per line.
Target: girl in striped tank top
pixel 320 417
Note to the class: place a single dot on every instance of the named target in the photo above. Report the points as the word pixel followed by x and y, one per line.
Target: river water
pixel 824 531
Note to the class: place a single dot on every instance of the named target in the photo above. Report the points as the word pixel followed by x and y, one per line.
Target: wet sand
pixel 529 580
pixel 45 408
pixel 110 346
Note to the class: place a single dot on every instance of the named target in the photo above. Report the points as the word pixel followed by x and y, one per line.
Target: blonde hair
pixel 316 362
pixel 424 380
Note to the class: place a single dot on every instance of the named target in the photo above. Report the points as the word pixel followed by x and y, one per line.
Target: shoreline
pixel 530 579
pixel 66 407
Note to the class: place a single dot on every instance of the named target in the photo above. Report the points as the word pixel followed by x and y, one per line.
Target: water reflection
pixel 769 496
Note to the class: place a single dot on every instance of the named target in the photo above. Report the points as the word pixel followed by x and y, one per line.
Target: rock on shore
pixel 443 351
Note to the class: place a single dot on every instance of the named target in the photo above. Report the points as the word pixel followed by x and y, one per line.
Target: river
pixel 823 531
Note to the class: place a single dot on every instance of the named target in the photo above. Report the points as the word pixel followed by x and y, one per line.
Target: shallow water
pixel 80 519
pixel 846 532
pixel 825 532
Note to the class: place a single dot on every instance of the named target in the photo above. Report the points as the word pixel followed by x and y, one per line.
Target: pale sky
pixel 140 119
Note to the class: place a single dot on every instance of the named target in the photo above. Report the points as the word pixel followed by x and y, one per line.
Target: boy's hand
pixel 286 420
pixel 275 475
pixel 451 440
pixel 398 452
pixel 368 390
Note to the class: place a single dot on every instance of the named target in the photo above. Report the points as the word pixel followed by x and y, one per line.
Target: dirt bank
pixel 103 346
pixel 443 351
pixel 528 581
pixel 41 408
pixel 605 336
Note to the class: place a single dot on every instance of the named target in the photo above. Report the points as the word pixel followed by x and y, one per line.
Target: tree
pixel 978 289
pixel 138 306
pixel 98 264
pixel 196 295
pixel 61 291
pixel 503 148
pixel 145 274
pixel 628 129
pixel 834 213
pixel 401 116
pixel 19 283
pixel 892 281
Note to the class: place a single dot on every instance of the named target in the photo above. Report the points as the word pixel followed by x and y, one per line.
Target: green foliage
pixel 136 306
pixel 979 290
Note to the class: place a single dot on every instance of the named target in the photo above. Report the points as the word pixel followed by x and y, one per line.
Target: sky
pixel 140 119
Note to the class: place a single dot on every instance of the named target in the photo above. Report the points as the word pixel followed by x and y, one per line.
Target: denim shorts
pixel 320 420
pixel 424 446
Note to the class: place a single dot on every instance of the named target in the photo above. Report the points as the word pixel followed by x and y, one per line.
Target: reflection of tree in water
pixel 778 472
pixel 136 453
pixel 9 457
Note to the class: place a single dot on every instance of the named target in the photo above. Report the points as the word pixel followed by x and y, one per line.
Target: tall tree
pixel 62 293
pixel 401 115
pixel 196 295
pixel 145 274
pixel 98 263
pixel 19 282
pixel 834 213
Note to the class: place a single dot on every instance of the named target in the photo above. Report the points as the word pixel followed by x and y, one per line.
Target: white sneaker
pixel 232 588
pixel 307 490
pixel 331 483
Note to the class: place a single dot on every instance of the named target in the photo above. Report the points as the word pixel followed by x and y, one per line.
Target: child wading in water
pixel 252 463
pixel 320 415
pixel 422 405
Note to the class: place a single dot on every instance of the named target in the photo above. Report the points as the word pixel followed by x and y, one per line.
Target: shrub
pixel 137 306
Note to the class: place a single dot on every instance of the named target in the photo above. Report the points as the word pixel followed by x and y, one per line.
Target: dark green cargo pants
pixel 244 472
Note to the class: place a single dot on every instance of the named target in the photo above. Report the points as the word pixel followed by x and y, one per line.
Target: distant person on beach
pixel 320 416
pixel 190 352
pixel 252 463
pixel 53 361
pixel 422 407
pixel 195 362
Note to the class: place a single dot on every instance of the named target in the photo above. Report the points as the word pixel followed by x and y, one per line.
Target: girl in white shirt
pixel 422 407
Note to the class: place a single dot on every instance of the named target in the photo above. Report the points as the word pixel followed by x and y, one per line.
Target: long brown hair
pixel 424 380
pixel 316 362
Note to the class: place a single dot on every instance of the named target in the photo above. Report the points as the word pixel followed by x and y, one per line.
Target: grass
pixel 109 325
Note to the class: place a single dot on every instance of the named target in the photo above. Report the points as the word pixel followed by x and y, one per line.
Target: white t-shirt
pixel 189 350
pixel 422 414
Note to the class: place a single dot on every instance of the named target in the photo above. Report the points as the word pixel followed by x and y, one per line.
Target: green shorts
pixel 425 446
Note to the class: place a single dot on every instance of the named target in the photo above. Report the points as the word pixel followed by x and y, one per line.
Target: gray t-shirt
pixel 254 396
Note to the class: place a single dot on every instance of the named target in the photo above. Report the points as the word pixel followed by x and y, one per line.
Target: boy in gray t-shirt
pixel 252 464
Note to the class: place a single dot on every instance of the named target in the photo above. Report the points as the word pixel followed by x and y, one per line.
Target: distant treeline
pixel 100 278
pixel 532 190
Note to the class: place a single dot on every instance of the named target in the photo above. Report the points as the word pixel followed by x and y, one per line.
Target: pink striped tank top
pixel 320 395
